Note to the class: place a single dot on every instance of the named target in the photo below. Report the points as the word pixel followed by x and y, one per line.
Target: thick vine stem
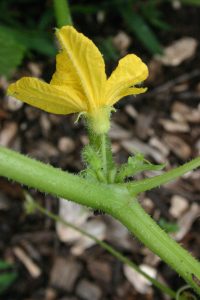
pixel 133 216
pixel 48 179
pixel 112 199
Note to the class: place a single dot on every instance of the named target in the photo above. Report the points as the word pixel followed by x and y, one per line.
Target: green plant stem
pixel 51 180
pixel 101 144
pixel 112 199
pixel 148 232
pixel 156 181
pixel 110 249
pixel 103 155
pixel 62 13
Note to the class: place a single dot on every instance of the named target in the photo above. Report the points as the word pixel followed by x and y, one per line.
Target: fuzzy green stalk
pixel 62 13
pixel 113 199
pixel 98 125
pixel 137 187
pixel 149 233
pixel 101 145
pixel 103 155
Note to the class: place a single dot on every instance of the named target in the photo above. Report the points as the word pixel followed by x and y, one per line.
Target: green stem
pixel 148 232
pixel 103 155
pixel 156 181
pixel 108 248
pixel 62 13
pixel 101 144
pixel 112 199
pixel 52 180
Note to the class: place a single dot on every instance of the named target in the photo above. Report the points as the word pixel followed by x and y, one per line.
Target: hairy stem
pixel 147 231
pixel 103 155
pixel 52 180
pixel 112 199
pixel 101 144
pixel 156 181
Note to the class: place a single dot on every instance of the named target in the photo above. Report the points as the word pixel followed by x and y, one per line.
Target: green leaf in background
pixel 11 53
pixel 85 9
pixel 7 276
pixel 191 2
pixel 143 32
pixel 14 43
pixel 153 14
pixel 34 40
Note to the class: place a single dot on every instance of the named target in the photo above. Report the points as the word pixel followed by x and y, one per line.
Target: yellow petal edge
pixel 53 99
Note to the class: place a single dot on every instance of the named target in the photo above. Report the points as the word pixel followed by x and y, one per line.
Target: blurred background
pixel 43 260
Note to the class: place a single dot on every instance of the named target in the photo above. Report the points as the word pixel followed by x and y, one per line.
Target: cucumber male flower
pixel 80 84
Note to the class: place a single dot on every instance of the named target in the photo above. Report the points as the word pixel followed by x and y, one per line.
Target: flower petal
pixel 130 91
pixel 87 62
pixel 66 76
pixel 129 72
pixel 53 99
pixel 65 73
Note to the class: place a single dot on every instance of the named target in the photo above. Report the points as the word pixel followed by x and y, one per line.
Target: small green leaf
pixel 29 204
pixel 135 165
pixel 94 165
pixel 91 158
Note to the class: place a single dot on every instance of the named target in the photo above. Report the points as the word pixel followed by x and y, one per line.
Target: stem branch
pixel 156 181
pixel 112 199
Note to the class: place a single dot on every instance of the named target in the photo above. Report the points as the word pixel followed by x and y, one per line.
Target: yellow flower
pixel 79 84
